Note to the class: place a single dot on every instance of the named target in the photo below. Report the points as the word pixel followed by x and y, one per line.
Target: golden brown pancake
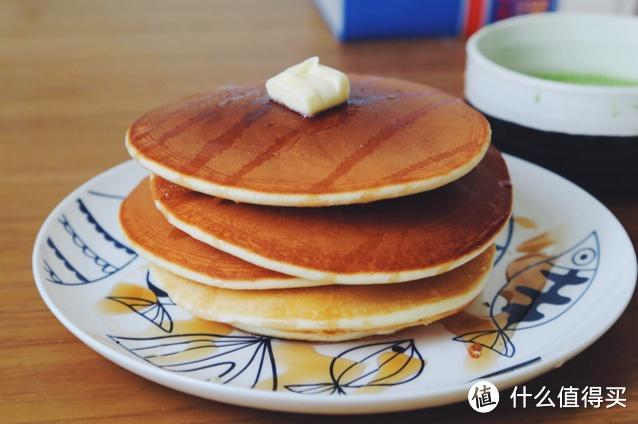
pixel 392 138
pixel 331 313
pixel 157 241
pixel 382 242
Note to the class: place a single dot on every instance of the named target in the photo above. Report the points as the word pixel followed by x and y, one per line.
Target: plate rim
pixel 361 403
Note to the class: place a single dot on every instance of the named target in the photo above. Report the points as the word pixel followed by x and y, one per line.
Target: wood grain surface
pixel 75 74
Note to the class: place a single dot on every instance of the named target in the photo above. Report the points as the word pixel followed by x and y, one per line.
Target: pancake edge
pixel 391 322
pixel 244 195
pixel 341 336
pixel 327 277
pixel 257 284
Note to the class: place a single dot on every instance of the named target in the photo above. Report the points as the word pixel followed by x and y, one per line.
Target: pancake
pixel 383 242
pixel 392 138
pixel 342 335
pixel 332 313
pixel 157 241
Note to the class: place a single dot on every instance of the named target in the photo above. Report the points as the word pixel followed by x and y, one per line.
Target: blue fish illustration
pixel 91 265
pixel 538 289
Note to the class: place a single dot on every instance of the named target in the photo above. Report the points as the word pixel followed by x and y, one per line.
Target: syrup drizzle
pixel 225 141
pixel 376 141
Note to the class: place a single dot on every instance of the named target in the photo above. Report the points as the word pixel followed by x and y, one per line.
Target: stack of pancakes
pixel 371 217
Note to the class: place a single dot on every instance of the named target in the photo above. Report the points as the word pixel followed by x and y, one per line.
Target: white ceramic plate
pixel 564 273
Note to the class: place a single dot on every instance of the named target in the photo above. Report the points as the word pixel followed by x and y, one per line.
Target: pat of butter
pixel 309 87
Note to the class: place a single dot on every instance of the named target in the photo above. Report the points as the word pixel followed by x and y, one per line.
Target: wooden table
pixel 74 74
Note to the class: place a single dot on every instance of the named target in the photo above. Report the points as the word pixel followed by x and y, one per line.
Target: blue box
pixel 365 19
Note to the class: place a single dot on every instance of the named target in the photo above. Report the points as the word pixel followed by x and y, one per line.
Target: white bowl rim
pixel 474 53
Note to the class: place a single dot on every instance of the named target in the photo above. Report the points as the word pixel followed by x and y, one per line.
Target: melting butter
pixel 309 87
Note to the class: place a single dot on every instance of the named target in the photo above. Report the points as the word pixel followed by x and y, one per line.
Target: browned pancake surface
pixel 149 231
pixel 391 132
pixel 426 230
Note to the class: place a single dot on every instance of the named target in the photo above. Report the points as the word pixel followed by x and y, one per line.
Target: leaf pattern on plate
pixel 228 357
pixel 149 303
pixel 380 364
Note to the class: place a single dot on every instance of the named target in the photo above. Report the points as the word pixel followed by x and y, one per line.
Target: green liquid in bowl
pixel 586 79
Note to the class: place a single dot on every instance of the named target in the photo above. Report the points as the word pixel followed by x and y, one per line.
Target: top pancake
pixel 391 139
pixel 382 242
